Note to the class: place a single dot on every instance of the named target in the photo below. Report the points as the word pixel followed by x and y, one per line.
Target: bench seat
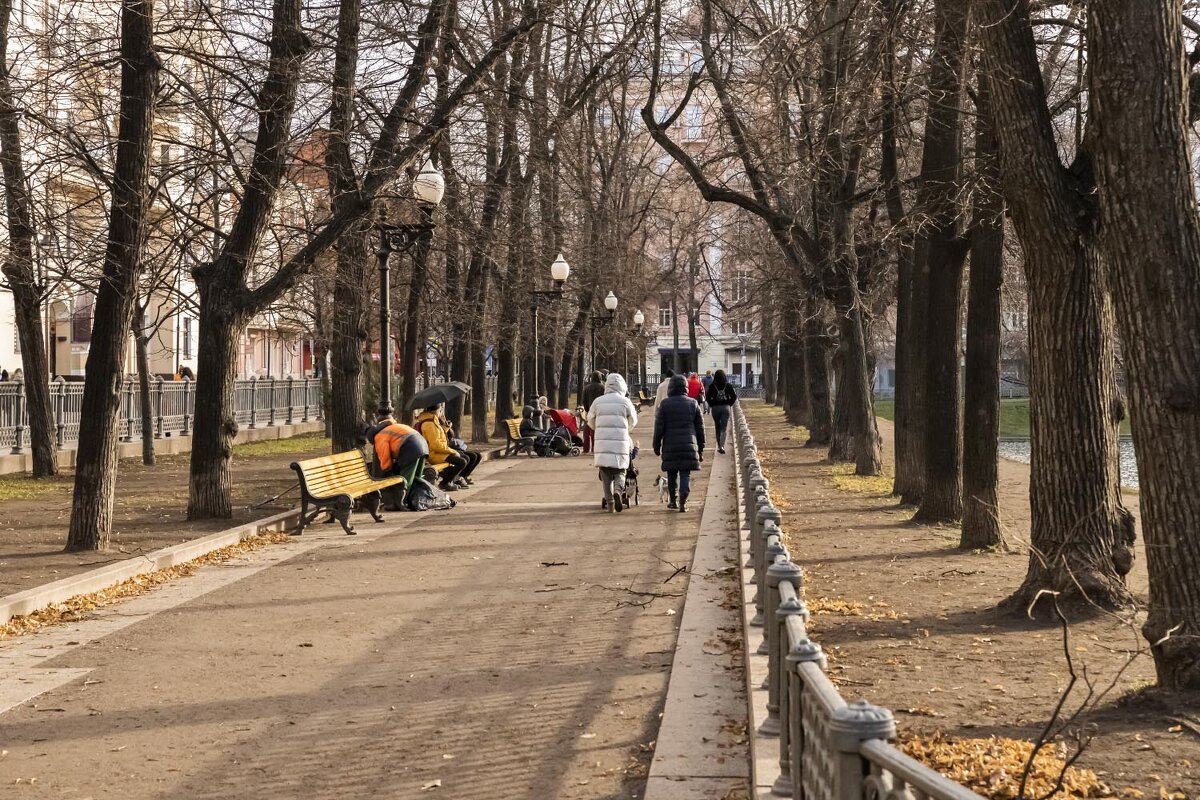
pixel 332 484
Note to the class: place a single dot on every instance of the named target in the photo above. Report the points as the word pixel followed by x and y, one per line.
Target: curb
pixel 37 598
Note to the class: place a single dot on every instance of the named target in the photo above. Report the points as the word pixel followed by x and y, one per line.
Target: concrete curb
pixel 37 598
pixel 30 600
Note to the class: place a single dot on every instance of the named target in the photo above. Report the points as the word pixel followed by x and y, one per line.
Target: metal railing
pixel 258 403
pixel 828 749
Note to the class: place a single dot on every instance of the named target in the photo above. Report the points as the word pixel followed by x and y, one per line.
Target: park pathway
pixel 492 651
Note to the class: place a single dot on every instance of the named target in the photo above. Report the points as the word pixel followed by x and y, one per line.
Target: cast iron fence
pixel 258 403
pixel 828 749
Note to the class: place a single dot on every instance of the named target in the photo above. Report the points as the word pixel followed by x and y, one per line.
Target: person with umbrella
pixel 454 476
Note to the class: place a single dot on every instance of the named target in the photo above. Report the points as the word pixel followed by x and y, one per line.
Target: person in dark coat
pixel 721 397
pixel 591 390
pixel 679 439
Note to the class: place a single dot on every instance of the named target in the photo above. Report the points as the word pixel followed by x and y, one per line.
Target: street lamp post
pixel 428 188
pixel 610 303
pixel 636 332
pixel 560 270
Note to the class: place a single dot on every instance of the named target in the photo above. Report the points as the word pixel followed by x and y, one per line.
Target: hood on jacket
pixel 678 385
pixel 615 384
pixel 596 377
pixel 719 379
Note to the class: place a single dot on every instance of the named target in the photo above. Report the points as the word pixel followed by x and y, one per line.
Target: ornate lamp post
pixel 610 302
pixel 428 188
pixel 560 270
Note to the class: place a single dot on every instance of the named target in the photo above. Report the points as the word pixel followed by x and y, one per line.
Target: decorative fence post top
pixel 770 516
pixel 784 570
pixel 792 607
pixel 853 724
pixel 806 651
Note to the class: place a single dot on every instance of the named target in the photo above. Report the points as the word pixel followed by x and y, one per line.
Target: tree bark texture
pixel 19 269
pixel 945 251
pixel 142 343
pixel 353 276
pixel 96 457
pixel 841 441
pixel 816 369
pixel 1081 535
pixel 981 399
pixel 1151 241
pixel 867 457
pixel 768 344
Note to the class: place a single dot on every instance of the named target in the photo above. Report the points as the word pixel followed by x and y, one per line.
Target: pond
pixel 1018 450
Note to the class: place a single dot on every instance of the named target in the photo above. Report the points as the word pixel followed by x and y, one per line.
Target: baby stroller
pixel 566 426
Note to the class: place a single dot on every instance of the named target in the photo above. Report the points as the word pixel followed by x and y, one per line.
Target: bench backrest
pixel 514 429
pixel 325 475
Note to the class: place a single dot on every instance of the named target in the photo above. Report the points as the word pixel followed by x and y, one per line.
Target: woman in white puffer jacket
pixel 612 417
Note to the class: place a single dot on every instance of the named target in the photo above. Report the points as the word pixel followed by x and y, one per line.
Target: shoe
pixel 682 504
pixel 619 506
pixel 625 499
pixel 603 503
pixel 468 481
pixel 448 487
pixel 721 450
pixel 461 483
pixel 672 505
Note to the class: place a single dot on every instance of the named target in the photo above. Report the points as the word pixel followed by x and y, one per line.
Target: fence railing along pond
pixel 828 749
pixel 258 403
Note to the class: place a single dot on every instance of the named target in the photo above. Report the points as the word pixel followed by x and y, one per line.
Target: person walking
pixel 721 397
pixel 591 390
pixel 612 417
pixel 679 440
pixel 661 393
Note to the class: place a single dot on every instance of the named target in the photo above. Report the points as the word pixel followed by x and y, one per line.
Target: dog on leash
pixel 660 483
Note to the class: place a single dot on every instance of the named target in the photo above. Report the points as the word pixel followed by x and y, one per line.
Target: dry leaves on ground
pixel 993 766
pixel 75 607
pixel 875 485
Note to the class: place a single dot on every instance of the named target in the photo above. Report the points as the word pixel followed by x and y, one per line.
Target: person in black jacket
pixel 591 390
pixel 679 439
pixel 720 397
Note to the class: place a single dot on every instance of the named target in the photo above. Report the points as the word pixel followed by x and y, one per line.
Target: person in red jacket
pixel 695 389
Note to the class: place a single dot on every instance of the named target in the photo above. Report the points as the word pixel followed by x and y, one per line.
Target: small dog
pixel 661 484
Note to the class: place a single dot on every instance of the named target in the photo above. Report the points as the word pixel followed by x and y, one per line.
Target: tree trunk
pixel 981 401
pixel 350 336
pixel 96 457
pixel 505 365
pixel 841 440
pixel 479 404
pixel 18 269
pixel 147 416
pixel 1151 240
pixel 941 499
pixel 816 368
pixel 856 385
pixel 1081 536
pixel 211 494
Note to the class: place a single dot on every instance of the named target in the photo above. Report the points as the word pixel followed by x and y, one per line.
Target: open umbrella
pixel 438 393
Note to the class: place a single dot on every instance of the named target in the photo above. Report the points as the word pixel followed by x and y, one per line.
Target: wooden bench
pixel 645 399
pixel 332 484
pixel 514 441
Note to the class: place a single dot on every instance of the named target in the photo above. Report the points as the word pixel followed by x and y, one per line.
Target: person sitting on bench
pixel 399 450
pixel 441 452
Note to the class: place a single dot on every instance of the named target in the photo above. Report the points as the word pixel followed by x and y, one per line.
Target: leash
pixel 276 497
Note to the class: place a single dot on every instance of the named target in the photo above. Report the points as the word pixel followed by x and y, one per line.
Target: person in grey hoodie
pixel 612 417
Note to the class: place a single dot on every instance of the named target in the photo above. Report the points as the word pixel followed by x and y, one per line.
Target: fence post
pixel 307 384
pixel 849 727
pixel 771 548
pixel 792 607
pixel 756 549
pixel 128 410
pixel 187 406
pixel 18 443
pixel 253 400
pixel 60 411
pixel 291 397
pixel 158 417
pixel 781 570
pixel 802 652
pixel 271 394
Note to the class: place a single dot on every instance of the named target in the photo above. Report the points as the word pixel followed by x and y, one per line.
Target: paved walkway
pixel 495 648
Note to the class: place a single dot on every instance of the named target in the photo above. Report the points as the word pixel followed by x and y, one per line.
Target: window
pixel 664 312
pixel 164 155
pixel 740 286
pixel 694 122
pixel 81 319
pixel 16 341
pixel 741 327
pixel 187 337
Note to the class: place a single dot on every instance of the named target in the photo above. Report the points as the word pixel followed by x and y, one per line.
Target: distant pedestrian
pixel 721 397
pixel 661 393
pixel 613 417
pixel 679 439
pixel 695 388
pixel 591 390
pixel 3 374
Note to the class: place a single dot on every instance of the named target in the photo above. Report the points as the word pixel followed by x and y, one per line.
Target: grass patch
pixel 844 479
pixel 283 447
pixel 1014 417
pixel 24 487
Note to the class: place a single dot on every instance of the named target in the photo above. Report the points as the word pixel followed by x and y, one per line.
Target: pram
pixel 632 495
pixel 560 439
pixel 566 425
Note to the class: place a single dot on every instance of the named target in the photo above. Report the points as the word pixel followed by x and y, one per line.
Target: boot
pixel 682 503
pixel 672 505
